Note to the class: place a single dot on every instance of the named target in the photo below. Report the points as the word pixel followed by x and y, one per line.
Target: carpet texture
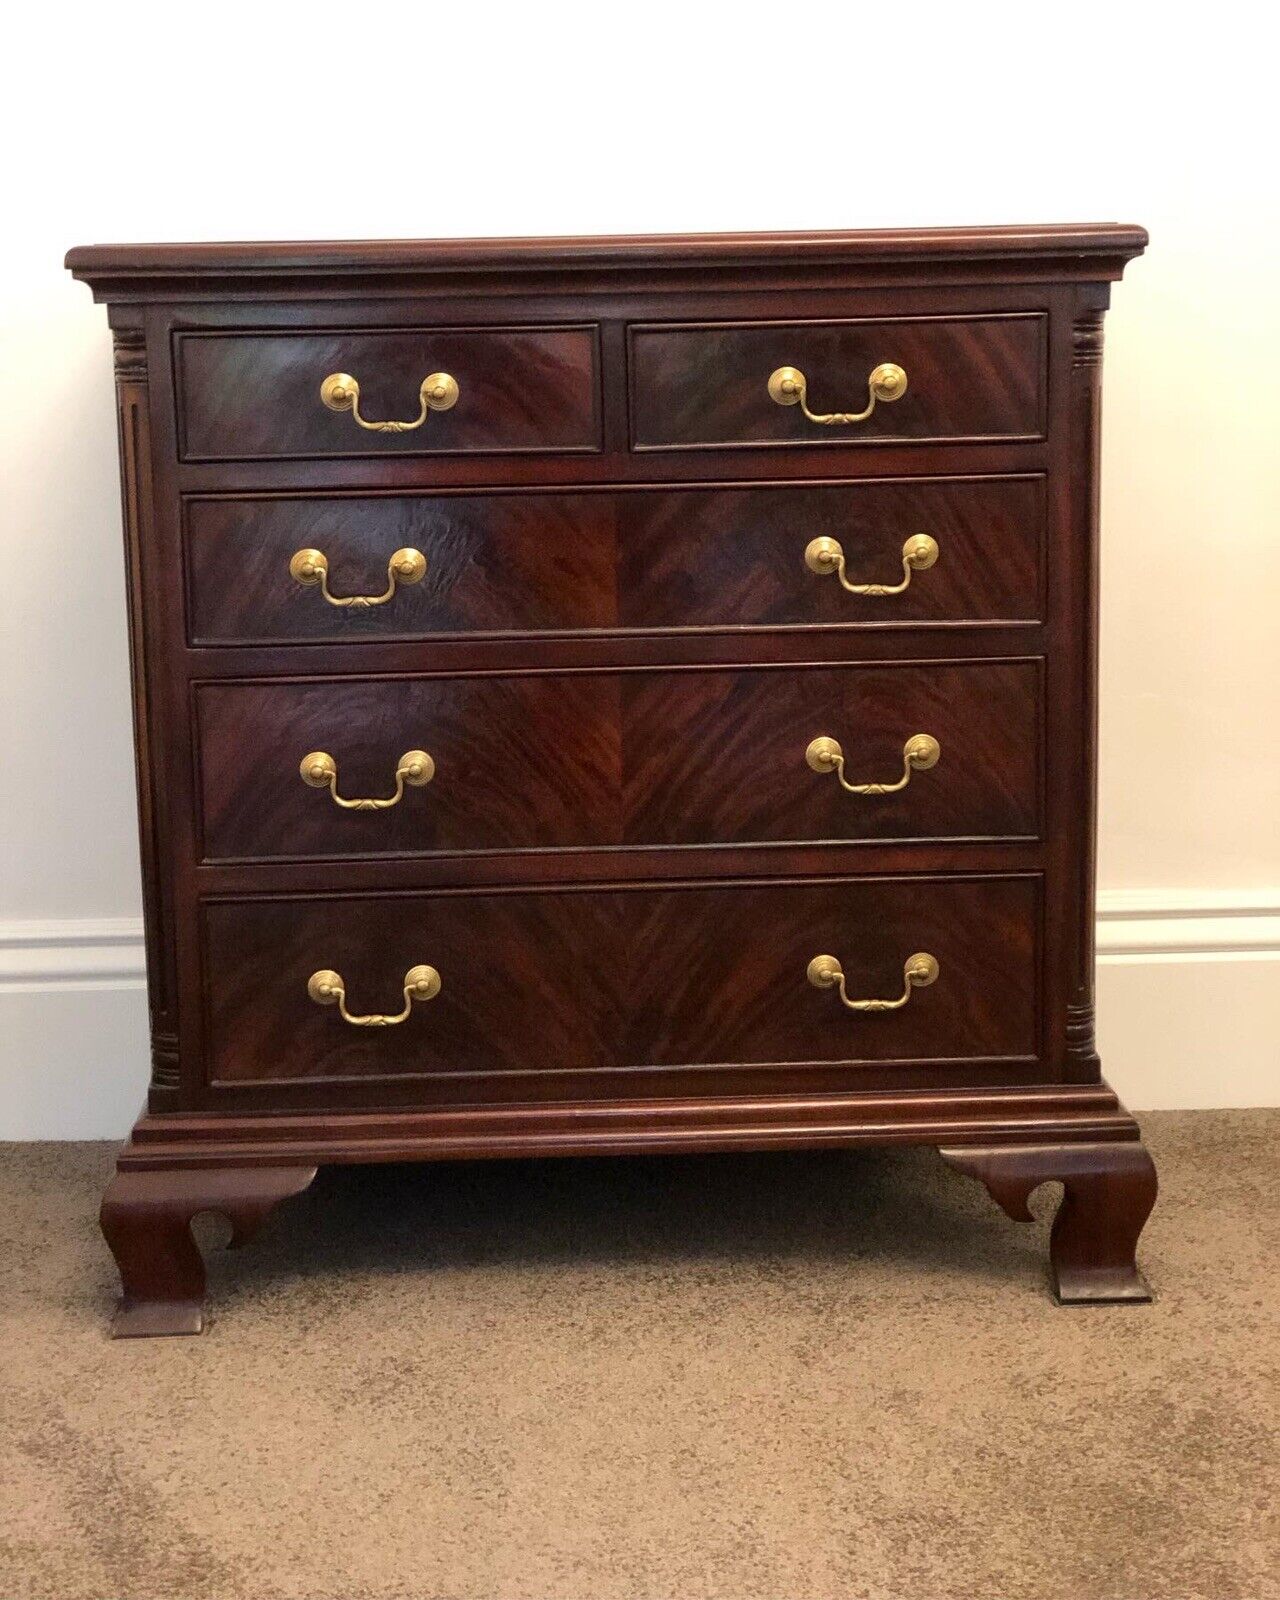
pixel 791 1376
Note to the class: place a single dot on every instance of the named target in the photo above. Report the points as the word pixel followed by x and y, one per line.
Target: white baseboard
pixel 91 951
pixel 74 1050
pixel 1151 923
pixel 1189 996
pixel 1188 1010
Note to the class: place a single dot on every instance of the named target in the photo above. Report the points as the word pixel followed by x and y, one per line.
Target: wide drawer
pixel 699 386
pixel 554 983
pixel 598 759
pixel 252 396
pixel 612 560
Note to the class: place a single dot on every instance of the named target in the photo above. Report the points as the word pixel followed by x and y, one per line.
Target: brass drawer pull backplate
pixel 918 972
pixel 320 770
pixel 788 386
pixel 310 568
pixel 341 392
pixel 824 555
pixel 326 988
pixel 920 752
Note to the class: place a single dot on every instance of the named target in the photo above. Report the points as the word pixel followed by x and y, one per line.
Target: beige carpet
pixel 791 1376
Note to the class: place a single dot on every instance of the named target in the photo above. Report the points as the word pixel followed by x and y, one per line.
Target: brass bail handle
pixel 788 386
pixel 439 392
pixel 310 568
pixel 825 555
pixel 326 988
pixel 920 752
pixel 918 972
pixel 320 771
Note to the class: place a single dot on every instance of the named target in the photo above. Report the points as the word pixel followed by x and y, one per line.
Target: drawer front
pixel 553 983
pixel 600 759
pixel 254 396
pixel 966 378
pixel 614 560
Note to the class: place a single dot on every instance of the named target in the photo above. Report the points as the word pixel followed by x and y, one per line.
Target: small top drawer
pixel 412 391
pixel 920 379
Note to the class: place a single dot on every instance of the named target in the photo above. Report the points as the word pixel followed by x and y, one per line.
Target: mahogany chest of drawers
pixel 615 695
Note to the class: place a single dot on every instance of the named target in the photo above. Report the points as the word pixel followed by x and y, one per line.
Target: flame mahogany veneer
pixel 616 658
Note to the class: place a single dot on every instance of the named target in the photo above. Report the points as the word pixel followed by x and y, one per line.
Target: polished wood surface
pixel 617 657
pixel 1062 252
pixel 598 759
pixel 590 982
pixel 645 560
pixel 244 396
pixel 947 1116
pixel 146 1219
pixel 1108 1193
pixel 982 378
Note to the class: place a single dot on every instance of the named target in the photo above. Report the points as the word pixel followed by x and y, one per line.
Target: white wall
pixel 170 122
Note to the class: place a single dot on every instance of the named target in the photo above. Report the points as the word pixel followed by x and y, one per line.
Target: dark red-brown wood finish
pixel 538 562
pixel 592 760
pixel 559 993
pixel 614 585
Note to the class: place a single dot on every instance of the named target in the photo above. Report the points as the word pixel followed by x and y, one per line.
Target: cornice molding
pixel 1092 252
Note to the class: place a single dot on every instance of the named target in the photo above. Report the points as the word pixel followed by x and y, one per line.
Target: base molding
pixel 178 1165
pixel 1062 1113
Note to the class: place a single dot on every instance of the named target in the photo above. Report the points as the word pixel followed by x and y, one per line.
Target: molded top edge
pixel 118 264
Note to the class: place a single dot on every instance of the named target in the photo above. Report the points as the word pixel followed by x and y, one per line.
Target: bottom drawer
pixel 550 993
